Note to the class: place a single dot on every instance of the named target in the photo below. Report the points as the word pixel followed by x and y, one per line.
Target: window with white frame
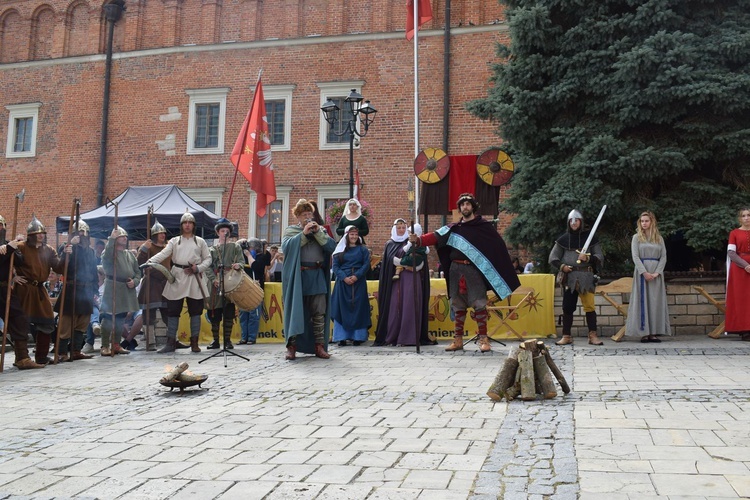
pixel 23 121
pixel 327 196
pixel 208 198
pixel 337 92
pixel 279 114
pixel 271 226
pixel 206 120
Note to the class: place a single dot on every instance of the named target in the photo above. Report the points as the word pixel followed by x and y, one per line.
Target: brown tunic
pixel 35 267
pixel 153 279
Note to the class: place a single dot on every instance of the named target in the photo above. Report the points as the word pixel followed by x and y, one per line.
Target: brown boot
pixel 194 344
pixel 567 339
pixel 594 340
pixel 484 344
pixel 291 352
pixel 117 349
pixel 27 364
pixel 456 345
pixel 79 355
pixel 169 346
pixel 320 352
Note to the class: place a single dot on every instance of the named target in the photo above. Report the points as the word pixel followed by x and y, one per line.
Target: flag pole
pixel 237 167
pixel 415 214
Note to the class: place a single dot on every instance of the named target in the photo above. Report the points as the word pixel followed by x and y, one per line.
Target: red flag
pixel 252 153
pixel 425 14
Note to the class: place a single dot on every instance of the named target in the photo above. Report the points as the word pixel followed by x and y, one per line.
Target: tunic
pixel 127 268
pixel 153 280
pixel 350 305
pixel 360 223
pixel 738 284
pixel 581 278
pixel 226 255
pixel 185 251
pixel 35 267
pixel 648 313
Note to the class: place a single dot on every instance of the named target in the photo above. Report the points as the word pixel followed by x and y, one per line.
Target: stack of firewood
pixel 526 374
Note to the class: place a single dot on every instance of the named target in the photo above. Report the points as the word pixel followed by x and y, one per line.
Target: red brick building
pixel 182 80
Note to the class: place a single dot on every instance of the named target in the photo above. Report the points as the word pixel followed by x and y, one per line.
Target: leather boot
pixel 169 347
pixel 42 348
pixel 78 341
pixel 594 340
pixel 215 332
pixel 320 352
pixel 484 344
pixel 567 339
pixel 457 344
pixel 23 362
pixel 291 352
pixel 228 334
pixel 228 342
pixel 194 347
pixel 62 350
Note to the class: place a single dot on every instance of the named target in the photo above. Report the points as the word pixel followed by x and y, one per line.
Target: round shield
pixel 495 167
pixel 431 165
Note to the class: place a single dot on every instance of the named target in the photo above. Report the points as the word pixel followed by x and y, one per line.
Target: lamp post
pixel 356 107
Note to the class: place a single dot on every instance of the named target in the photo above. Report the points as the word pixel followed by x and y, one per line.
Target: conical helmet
pixel 35 226
pixel 157 228
pixel 575 214
pixel 121 232
pixel 187 217
pixel 83 227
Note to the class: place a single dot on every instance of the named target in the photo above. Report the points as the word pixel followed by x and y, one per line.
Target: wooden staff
pixel 75 270
pixel 19 198
pixel 417 306
pixel 114 280
pixel 61 298
pixel 147 276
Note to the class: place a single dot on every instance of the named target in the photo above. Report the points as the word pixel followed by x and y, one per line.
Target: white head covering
pixel 395 236
pixel 348 214
pixel 418 231
pixel 341 246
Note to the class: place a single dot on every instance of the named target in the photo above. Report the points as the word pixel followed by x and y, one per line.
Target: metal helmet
pixel 2 221
pixel 187 217
pixel 121 232
pixel 83 227
pixel 255 244
pixel 157 228
pixel 35 226
pixel 575 214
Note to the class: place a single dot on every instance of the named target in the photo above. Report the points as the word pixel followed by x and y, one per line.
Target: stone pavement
pixel 665 420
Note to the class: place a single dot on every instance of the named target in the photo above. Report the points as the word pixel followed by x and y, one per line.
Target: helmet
pixel 35 226
pixel 223 223
pixel 83 227
pixel 2 221
pixel 575 214
pixel 157 228
pixel 121 232
pixel 187 217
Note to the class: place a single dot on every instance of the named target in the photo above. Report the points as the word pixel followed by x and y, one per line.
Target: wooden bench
pixel 622 285
pixel 719 304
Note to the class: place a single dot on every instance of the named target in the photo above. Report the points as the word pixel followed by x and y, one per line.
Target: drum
pixel 245 292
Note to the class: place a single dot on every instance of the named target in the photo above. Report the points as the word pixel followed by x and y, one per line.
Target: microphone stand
pixel 223 351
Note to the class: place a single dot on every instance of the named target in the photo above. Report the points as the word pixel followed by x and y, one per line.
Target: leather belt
pixel 311 268
pixel 121 280
pixel 181 266
pixel 33 283
pixel 464 262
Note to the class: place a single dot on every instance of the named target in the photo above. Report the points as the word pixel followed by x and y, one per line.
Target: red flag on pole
pixel 425 14
pixel 252 153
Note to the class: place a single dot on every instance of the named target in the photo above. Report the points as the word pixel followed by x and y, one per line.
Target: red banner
pixel 424 15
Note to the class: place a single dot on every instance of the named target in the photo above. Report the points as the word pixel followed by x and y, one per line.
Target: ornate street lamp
pixel 362 114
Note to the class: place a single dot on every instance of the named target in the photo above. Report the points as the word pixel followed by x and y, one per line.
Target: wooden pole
pixel 114 283
pixel 61 314
pixel 19 198
pixel 147 273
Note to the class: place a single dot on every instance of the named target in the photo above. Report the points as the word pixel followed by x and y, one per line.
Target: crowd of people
pixel 115 293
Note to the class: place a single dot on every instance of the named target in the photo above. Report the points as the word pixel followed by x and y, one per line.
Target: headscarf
pixel 394 235
pixel 418 231
pixel 344 241
pixel 347 212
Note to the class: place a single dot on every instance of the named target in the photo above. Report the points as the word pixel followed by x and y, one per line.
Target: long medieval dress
pixel 404 319
pixel 350 305
pixel 648 313
pixel 738 284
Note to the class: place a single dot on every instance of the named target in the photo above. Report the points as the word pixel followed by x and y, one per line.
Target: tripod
pixel 223 351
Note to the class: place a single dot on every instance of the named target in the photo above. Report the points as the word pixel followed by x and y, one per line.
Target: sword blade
pixel 586 245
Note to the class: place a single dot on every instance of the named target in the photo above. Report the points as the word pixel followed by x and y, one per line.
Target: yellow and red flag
pixel 424 14
pixel 252 153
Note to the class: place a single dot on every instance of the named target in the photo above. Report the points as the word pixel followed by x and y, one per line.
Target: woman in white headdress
pixel 353 217
pixel 350 305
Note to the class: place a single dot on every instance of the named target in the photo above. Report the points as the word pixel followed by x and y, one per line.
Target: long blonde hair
pixel 653 236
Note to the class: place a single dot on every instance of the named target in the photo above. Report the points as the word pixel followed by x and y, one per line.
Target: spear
pixel 147 276
pixel 19 198
pixel 114 281
pixel 65 284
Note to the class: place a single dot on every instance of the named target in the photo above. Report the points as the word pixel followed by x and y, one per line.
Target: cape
pixel 296 319
pixel 480 242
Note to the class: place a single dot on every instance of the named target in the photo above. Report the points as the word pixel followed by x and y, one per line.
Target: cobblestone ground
pixel 374 423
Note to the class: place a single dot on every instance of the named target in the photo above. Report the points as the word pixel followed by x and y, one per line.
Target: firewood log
pixel 544 377
pixel 175 372
pixel 504 379
pixel 526 367
pixel 556 371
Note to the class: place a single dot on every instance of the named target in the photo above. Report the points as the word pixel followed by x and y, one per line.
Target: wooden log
pixel 556 371
pixel 544 377
pixel 526 367
pixel 514 390
pixel 504 379
pixel 175 372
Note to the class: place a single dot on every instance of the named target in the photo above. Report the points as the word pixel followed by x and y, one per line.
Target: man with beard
pixel 474 259
pixel 190 260
pixel 306 284
pixel 81 285
pixel 33 271
pixel 225 256
pixel 17 325
pixel 122 277
pixel 150 295
pixel 578 270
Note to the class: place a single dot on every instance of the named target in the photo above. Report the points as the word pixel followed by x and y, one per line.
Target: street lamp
pixel 357 108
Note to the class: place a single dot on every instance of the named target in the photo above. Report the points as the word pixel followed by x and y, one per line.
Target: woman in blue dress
pixel 350 305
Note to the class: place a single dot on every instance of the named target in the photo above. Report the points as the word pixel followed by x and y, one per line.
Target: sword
pixel 585 248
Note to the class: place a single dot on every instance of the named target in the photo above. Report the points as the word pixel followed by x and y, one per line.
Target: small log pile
pixel 527 374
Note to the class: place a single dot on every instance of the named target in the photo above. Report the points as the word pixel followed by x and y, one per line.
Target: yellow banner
pixel 535 318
